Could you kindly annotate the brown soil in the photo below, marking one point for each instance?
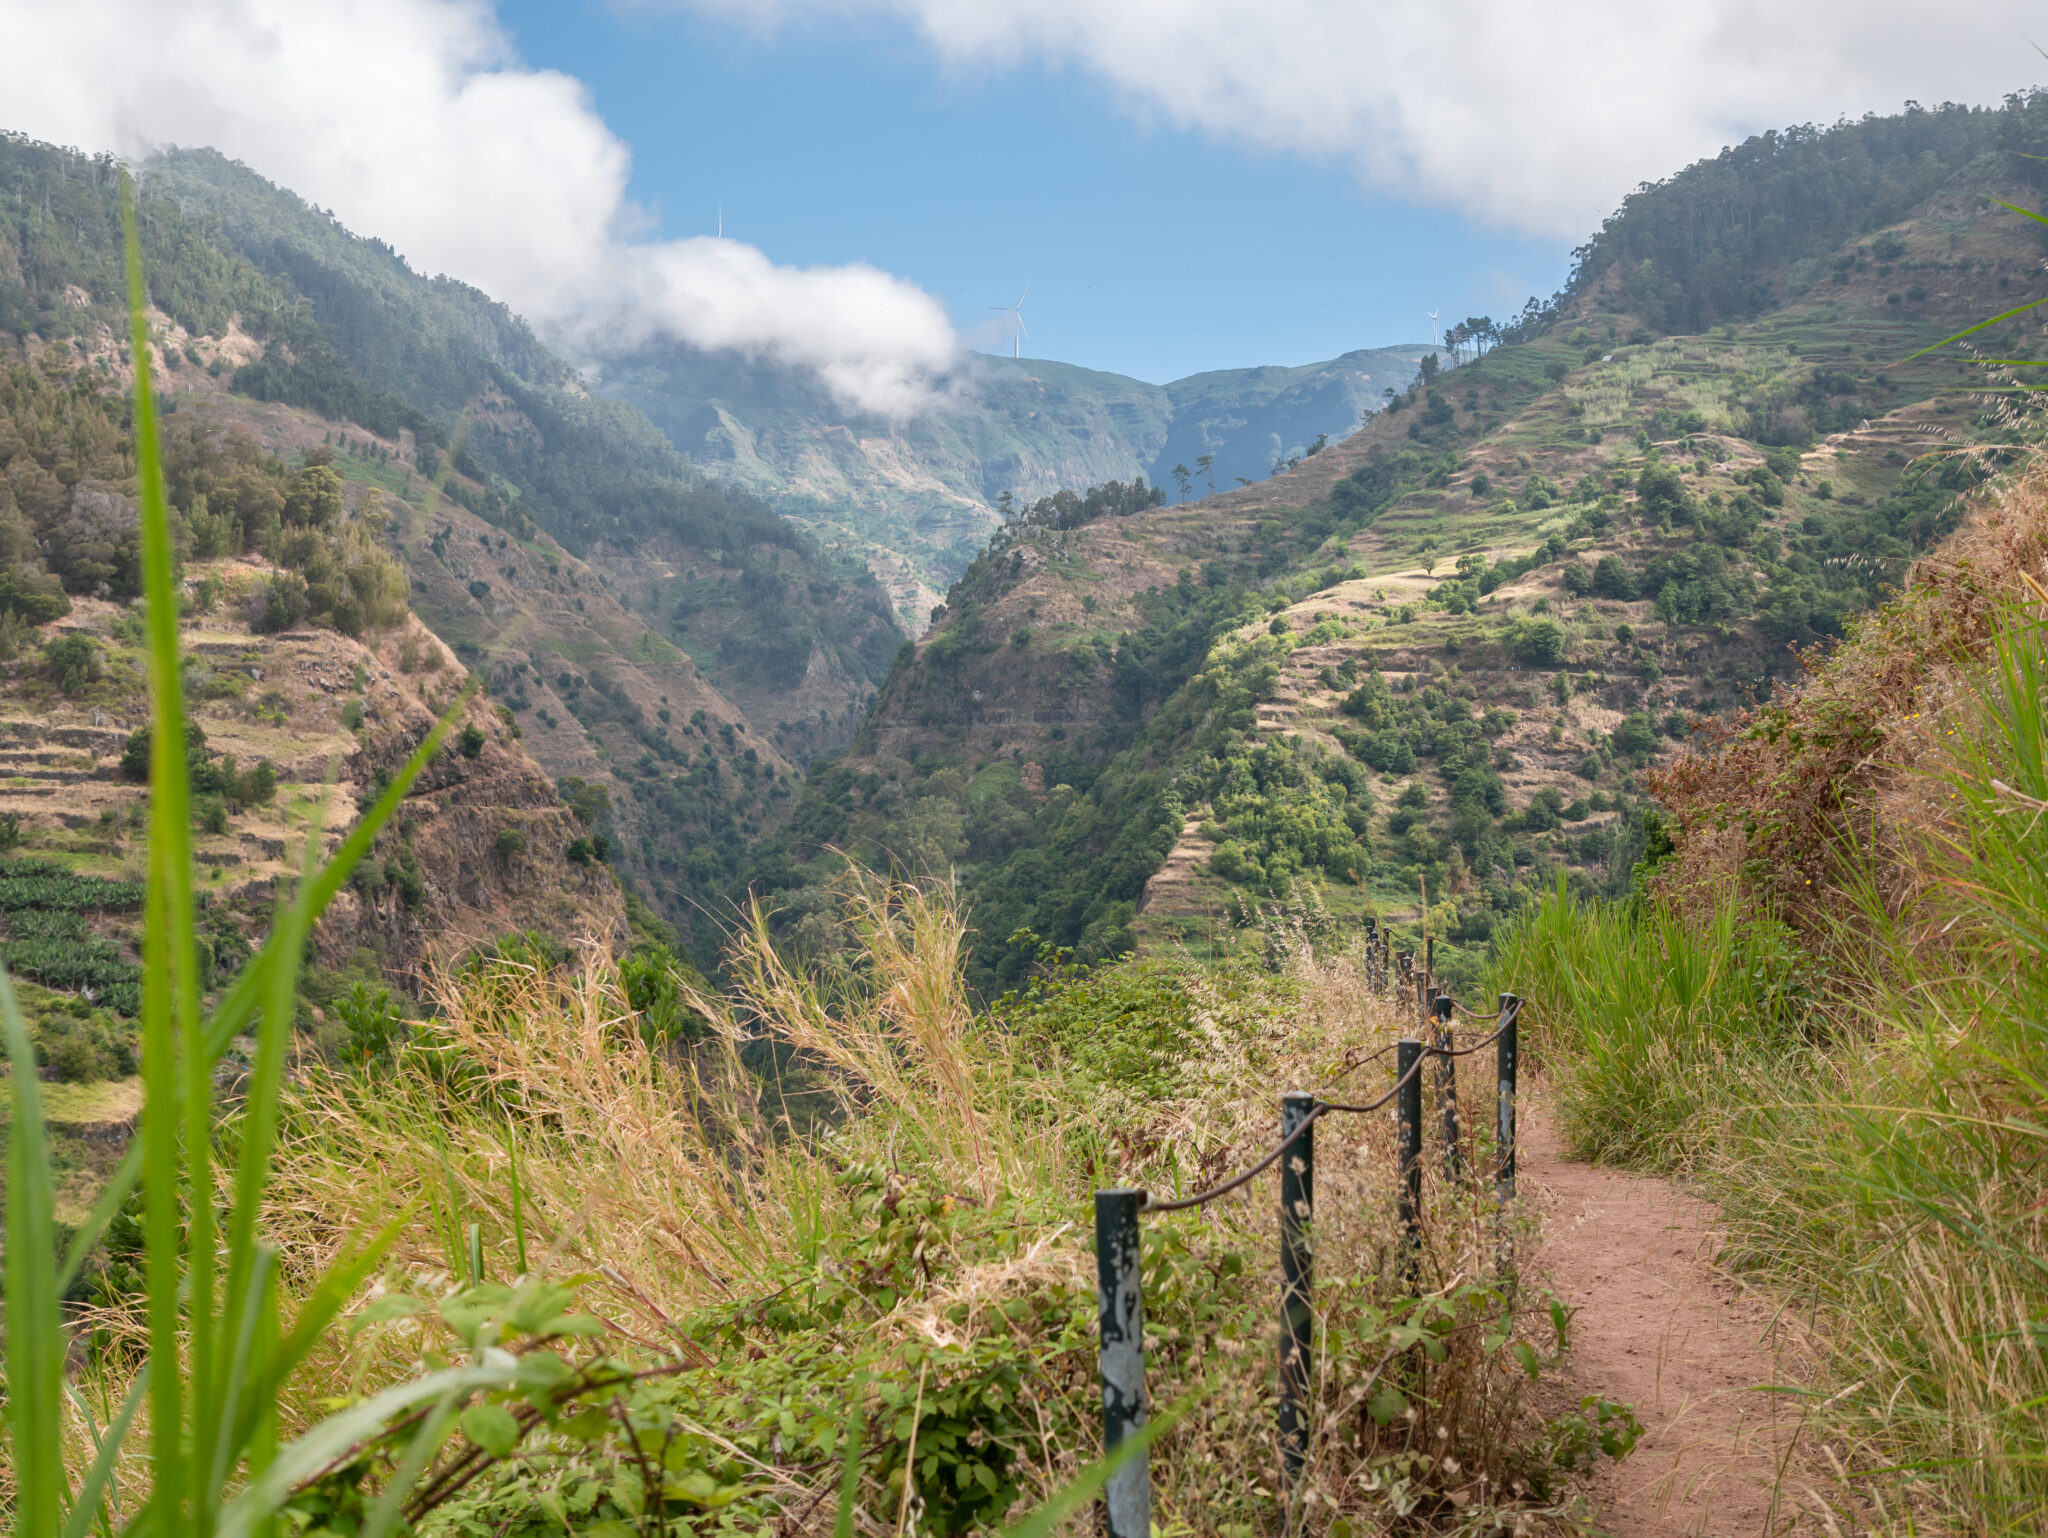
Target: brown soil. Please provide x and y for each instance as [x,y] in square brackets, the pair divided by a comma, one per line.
[1696,1354]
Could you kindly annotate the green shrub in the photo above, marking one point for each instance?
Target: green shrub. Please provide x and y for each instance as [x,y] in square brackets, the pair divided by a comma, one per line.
[376,1023]
[591,849]
[284,603]
[73,664]
[1539,643]
[654,977]
[76,1049]
[1636,733]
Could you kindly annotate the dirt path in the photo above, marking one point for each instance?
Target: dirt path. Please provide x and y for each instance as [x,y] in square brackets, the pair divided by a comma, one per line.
[1660,1327]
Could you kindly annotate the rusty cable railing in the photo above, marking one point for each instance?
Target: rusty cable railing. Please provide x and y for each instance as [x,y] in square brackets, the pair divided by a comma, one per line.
[1118,1248]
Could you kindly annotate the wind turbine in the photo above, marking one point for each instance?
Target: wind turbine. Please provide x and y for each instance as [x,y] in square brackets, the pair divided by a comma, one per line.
[1016,314]
[1432,329]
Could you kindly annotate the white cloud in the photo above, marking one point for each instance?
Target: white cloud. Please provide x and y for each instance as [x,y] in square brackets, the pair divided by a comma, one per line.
[1536,117]
[414,121]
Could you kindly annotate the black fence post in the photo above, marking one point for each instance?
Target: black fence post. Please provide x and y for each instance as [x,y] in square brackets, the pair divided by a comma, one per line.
[1447,1088]
[1506,1049]
[1408,1103]
[1297,1280]
[1127,1499]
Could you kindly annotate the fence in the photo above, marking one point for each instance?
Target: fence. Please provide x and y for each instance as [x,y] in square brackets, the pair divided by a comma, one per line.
[1118,1247]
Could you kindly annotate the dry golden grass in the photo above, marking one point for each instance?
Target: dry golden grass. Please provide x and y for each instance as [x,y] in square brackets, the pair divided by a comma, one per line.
[674,1185]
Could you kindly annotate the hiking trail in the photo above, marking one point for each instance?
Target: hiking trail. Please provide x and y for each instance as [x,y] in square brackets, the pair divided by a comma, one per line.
[1694,1351]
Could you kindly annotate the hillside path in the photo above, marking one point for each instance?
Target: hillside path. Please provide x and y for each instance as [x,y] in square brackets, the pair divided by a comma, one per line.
[1659,1326]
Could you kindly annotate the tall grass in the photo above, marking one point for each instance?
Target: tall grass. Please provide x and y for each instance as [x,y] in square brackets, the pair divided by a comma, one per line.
[1654,1020]
[215,1353]
[946,1185]
[1876,1136]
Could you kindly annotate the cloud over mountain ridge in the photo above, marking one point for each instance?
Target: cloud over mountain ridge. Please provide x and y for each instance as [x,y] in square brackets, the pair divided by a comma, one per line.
[415,121]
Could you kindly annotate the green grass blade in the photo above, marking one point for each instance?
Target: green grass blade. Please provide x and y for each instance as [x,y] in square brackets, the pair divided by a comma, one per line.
[262,1439]
[226,1445]
[343,1430]
[169,981]
[330,1295]
[2024,213]
[518,1195]
[1982,325]
[99,1479]
[1088,1484]
[259,1126]
[34,1322]
[849,1472]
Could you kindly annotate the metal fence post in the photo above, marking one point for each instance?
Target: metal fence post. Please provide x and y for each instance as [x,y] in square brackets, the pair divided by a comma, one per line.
[1447,1089]
[1297,1280]
[1506,1048]
[1407,1057]
[1127,1499]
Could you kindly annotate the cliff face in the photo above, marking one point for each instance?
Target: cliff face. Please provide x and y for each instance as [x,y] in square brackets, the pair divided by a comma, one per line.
[487,830]
[675,776]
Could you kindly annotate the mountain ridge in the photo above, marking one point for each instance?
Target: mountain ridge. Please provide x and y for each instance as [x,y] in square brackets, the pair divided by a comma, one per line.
[1421,671]
[927,492]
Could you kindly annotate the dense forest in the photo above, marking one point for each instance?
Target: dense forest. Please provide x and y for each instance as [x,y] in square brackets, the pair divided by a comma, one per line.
[1727,238]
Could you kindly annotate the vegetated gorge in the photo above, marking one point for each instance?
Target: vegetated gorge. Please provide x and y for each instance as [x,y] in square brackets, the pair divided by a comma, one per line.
[542,1008]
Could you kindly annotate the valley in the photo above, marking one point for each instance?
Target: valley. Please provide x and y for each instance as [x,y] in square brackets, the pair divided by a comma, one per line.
[1133,719]
[852,842]
[918,499]
[1543,570]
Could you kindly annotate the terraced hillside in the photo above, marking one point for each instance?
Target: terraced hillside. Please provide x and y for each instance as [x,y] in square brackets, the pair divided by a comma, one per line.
[670,647]
[1437,655]
[291,730]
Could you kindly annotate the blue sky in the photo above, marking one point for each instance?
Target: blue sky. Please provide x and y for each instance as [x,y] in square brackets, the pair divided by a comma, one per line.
[1148,250]
[1178,181]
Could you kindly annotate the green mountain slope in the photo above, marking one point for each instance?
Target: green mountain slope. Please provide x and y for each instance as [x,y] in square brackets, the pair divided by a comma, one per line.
[590,471]
[546,535]
[1255,418]
[916,498]
[920,497]
[1435,657]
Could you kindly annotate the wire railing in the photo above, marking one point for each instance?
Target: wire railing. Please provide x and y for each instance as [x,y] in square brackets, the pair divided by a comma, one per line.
[1118,1248]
